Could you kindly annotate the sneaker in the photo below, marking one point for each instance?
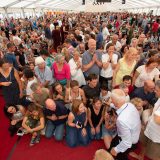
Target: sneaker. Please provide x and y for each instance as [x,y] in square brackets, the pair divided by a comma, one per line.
[32,142]
[37,140]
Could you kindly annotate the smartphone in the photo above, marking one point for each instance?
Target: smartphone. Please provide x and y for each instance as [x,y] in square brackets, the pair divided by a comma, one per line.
[79,124]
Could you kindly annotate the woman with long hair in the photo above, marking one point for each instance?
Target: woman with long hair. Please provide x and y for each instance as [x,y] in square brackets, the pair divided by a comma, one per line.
[125,66]
[16,114]
[95,119]
[76,133]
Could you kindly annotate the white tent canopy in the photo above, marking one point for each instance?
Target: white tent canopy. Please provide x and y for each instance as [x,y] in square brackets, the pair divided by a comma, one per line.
[74,4]
[12,6]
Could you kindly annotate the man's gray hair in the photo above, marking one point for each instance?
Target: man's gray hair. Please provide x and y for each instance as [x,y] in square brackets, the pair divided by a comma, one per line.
[34,86]
[59,57]
[118,95]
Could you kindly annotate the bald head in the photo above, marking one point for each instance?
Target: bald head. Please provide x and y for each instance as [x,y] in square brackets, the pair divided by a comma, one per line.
[149,85]
[92,45]
[50,104]
[101,154]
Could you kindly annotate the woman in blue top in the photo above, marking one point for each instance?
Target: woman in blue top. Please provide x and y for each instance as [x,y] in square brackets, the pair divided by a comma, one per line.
[76,133]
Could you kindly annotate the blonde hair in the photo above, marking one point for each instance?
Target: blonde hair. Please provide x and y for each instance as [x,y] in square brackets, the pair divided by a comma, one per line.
[101,154]
[136,101]
[130,51]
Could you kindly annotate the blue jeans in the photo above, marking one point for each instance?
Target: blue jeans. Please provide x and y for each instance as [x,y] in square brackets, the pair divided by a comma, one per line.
[74,137]
[54,130]
[96,136]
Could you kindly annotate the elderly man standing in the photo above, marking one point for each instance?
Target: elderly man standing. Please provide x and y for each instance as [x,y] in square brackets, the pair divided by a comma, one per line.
[91,60]
[128,126]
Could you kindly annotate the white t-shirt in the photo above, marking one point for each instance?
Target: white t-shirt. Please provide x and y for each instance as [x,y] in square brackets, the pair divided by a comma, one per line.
[105,33]
[153,129]
[118,46]
[103,98]
[143,75]
[52,27]
[28,88]
[108,72]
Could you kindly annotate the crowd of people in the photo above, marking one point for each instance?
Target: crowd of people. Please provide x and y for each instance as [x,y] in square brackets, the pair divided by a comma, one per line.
[84,77]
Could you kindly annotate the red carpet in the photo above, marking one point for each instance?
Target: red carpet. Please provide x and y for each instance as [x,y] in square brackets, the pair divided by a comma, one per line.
[6,142]
[49,149]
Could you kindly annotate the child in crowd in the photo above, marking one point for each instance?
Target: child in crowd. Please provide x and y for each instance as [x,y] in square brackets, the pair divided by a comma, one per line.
[104,94]
[138,104]
[33,122]
[109,127]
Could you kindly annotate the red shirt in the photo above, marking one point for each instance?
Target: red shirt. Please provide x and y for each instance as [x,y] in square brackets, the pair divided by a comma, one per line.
[155,27]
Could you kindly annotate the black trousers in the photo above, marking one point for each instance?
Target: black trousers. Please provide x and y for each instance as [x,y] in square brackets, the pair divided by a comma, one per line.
[124,155]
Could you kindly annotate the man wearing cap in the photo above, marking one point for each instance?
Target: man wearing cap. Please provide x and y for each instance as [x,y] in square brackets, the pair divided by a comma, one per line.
[43,73]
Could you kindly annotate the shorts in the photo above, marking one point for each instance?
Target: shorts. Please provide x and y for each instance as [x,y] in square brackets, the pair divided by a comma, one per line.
[108,132]
[152,149]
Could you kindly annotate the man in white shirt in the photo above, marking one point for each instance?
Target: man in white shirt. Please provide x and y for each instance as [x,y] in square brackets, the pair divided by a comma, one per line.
[116,43]
[105,31]
[128,126]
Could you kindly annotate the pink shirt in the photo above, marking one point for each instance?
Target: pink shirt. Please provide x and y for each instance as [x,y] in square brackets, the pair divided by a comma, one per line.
[63,74]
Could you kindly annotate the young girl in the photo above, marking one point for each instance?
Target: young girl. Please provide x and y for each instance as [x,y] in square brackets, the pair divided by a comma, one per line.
[109,127]
[138,104]
[15,113]
[105,94]
[33,122]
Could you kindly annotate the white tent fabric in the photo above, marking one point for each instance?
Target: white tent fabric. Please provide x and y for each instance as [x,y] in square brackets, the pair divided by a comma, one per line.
[75,4]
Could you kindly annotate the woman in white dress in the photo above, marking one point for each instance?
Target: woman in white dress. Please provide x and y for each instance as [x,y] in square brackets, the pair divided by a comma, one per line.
[76,68]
